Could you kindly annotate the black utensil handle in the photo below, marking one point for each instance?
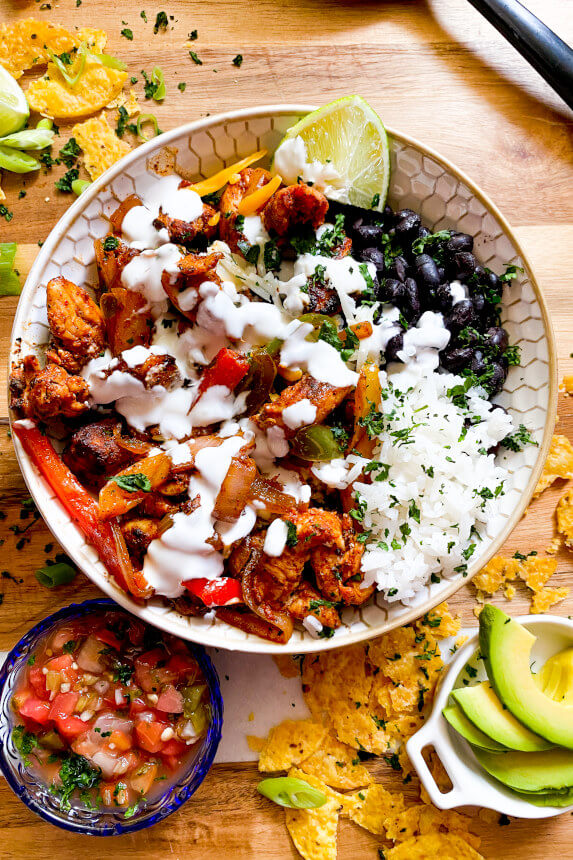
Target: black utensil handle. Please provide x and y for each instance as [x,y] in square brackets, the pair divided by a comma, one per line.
[540,46]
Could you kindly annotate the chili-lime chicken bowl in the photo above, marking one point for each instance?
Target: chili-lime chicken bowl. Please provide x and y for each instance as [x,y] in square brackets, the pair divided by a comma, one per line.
[287,430]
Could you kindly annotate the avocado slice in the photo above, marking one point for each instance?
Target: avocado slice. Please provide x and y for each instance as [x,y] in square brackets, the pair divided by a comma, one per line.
[548,798]
[458,721]
[546,771]
[506,649]
[556,677]
[484,709]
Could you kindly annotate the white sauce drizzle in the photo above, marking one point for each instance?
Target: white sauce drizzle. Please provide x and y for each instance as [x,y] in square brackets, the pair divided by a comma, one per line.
[299,414]
[275,538]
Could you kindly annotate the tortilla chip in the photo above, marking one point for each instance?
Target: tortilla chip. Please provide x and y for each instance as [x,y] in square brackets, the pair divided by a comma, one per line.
[291,742]
[100,145]
[447,626]
[335,681]
[375,806]
[24,44]
[559,464]
[313,831]
[255,743]
[536,570]
[564,514]
[126,100]
[422,819]
[547,597]
[337,765]
[568,384]
[445,846]
[2,195]
[53,97]
[288,665]
[346,803]
[96,39]
[496,573]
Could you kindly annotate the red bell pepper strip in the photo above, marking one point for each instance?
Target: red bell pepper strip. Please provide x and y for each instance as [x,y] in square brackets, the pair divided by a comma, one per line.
[83,510]
[216,592]
[227,368]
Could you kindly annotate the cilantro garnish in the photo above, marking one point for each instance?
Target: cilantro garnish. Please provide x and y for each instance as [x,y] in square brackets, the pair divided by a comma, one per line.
[133,483]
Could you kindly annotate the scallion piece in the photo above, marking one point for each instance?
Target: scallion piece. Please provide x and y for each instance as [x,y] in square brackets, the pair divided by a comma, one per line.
[109,61]
[157,77]
[45,123]
[291,792]
[29,138]
[54,575]
[9,280]
[141,120]
[16,161]
[80,185]
[71,78]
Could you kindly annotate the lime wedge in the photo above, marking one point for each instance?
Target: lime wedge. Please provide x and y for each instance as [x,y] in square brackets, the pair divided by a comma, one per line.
[14,110]
[348,136]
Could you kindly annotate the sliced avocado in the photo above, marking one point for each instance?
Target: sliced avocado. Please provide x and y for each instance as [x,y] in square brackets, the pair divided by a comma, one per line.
[458,720]
[506,648]
[484,709]
[546,771]
[548,798]
[556,677]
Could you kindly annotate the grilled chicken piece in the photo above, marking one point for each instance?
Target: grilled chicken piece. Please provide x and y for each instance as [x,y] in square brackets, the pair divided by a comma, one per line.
[250,180]
[76,325]
[317,527]
[183,290]
[337,569]
[293,206]
[139,533]
[186,232]
[93,452]
[306,600]
[48,393]
[323,396]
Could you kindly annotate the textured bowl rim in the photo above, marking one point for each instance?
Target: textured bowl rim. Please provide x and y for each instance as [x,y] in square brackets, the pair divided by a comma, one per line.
[308,645]
[201,764]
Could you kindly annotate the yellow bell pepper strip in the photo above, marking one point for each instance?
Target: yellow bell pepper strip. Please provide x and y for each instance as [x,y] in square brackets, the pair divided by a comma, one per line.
[214,183]
[251,204]
[129,487]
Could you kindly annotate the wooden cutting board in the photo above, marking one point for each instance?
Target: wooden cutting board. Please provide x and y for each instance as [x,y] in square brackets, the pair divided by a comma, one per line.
[432,68]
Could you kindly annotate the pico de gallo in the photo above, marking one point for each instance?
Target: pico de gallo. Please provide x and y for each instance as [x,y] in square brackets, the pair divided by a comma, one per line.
[108,709]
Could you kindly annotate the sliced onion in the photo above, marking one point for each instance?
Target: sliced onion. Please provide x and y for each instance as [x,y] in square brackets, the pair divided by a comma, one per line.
[258,626]
[277,619]
[102,686]
[138,447]
[259,380]
[270,494]
[235,489]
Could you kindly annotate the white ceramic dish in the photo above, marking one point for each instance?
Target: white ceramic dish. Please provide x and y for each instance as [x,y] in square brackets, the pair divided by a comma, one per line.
[421,180]
[471,785]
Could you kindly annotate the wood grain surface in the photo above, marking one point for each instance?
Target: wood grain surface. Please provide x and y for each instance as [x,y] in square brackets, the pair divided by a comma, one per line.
[432,68]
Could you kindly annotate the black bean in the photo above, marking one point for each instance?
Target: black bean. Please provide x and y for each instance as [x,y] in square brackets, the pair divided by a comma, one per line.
[497,337]
[444,298]
[441,273]
[407,221]
[464,265]
[495,406]
[398,268]
[423,232]
[388,213]
[492,281]
[479,273]
[478,301]
[427,271]
[462,314]
[373,255]
[394,346]
[356,224]
[495,383]
[412,307]
[459,242]
[368,234]
[479,363]
[392,291]
[456,359]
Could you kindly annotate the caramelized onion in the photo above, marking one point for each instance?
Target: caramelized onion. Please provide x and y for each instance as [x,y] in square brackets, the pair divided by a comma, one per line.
[137,447]
[134,579]
[259,380]
[269,493]
[257,626]
[277,619]
[235,489]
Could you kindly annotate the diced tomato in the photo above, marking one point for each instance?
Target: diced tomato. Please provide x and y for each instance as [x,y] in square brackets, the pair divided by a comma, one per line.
[145,668]
[227,368]
[105,635]
[174,748]
[142,780]
[148,735]
[37,681]
[223,591]
[173,762]
[70,727]
[63,665]
[170,700]
[183,664]
[120,741]
[151,658]
[136,706]
[35,709]
[63,705]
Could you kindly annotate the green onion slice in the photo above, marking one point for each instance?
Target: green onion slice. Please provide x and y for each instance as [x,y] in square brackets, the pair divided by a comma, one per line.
[80,185]
[16,161]
[7,255]
[30,138]
[158,78]
[141,120]
[54,575]
[291,792]
[71,78]
[45,123]
[108,60]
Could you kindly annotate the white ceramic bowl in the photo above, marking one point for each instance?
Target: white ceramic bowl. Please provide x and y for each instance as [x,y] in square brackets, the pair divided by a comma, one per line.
[471,785]
[420,179]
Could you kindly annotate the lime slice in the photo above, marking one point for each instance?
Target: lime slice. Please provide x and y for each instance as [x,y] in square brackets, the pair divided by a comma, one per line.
[14,110]
[350,137]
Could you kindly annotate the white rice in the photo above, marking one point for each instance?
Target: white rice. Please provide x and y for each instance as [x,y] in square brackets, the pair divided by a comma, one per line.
[437,487]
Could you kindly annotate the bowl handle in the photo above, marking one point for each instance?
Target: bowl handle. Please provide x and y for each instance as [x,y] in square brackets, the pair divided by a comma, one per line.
[433,733]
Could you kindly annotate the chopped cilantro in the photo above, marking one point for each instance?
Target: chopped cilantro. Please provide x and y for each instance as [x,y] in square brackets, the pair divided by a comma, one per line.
[193,35]
[292,538]
[249,252]
[110,243]
[65,183]
[127,33]
[181,86]
[161,22]
[373,422]
[133,483]
[143,15]
[5,213]
[70,152]
[69,646]
[375,201]
[271,255]
[238,61]
[418,245]
[25,742]
[510,273]
[194,56]
[122,672]
[518,440]
[76,773]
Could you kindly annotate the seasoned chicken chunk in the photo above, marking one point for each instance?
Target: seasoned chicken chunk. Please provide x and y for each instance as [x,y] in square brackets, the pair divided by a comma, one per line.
[306,600]
[139,533]
[93,452]
[293,206]
[273,579]
[183,290]
[323,396]
[250,180]
[187,232]
[337,569]
[48,393]
[317,527]
[76,325]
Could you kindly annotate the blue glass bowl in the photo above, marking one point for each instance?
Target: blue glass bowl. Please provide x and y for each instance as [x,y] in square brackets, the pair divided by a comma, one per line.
[101,822]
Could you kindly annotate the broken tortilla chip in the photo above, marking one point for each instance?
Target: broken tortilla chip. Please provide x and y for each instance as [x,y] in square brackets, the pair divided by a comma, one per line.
[288,665]
[25,44]
[375,806]
[559,464]
[96,40]
[127,101]
[546,597]
[313,831]
[346,803]
[564,514]
[290,743]
[337,765]
[446,846]
[52,96]
[422,819]
[100,145]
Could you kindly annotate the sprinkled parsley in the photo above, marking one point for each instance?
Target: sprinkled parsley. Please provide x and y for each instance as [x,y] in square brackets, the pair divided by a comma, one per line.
[518,440]
[161,22]
[133,483]
[127,34]
[292,538]
[65,183]
[238,61]
[195,57]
